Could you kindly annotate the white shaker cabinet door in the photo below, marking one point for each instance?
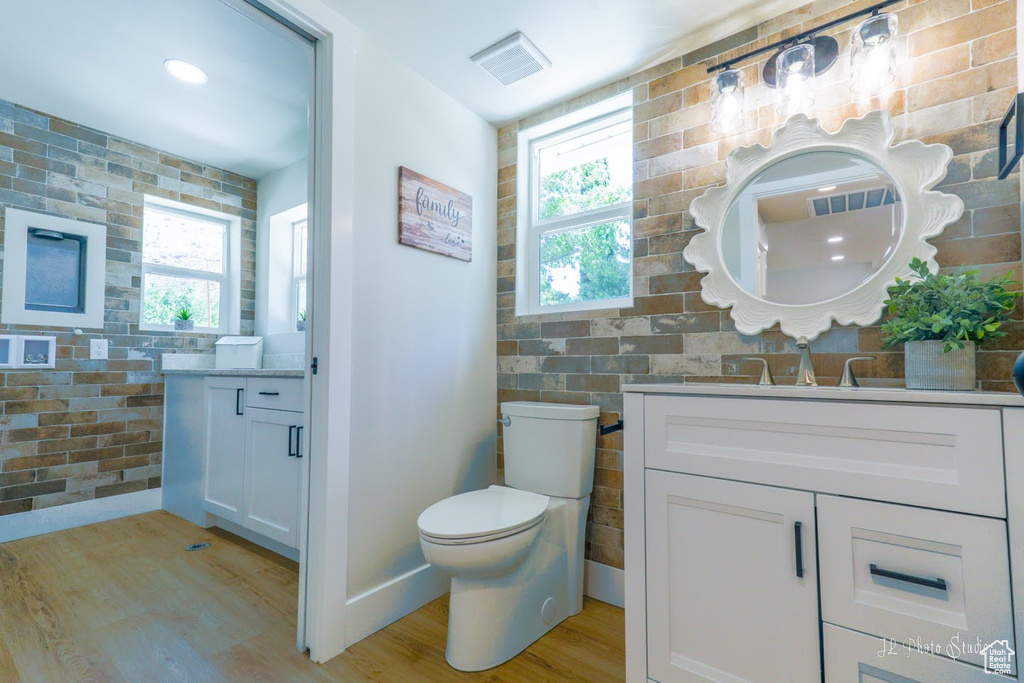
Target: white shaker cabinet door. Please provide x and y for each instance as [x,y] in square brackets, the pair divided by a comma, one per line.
[732,591]
[224,464]
[273,450]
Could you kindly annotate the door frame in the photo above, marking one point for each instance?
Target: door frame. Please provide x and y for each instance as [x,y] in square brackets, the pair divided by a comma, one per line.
[324,515]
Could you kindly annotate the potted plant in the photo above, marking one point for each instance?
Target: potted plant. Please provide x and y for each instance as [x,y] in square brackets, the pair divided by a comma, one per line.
[941,319]
[183,321]
[300,324]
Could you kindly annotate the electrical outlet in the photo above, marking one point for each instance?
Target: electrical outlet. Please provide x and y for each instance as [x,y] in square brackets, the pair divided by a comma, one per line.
[98,349]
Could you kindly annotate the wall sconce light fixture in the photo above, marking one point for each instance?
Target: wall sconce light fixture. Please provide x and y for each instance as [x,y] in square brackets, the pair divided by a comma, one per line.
[873,54]
[794,72]
[798,59]
[727,102]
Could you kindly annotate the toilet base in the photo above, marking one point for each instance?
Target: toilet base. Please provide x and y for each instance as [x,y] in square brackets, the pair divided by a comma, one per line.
[492,620]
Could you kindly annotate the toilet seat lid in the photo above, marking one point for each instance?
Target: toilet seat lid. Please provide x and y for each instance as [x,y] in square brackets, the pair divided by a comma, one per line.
[495,510]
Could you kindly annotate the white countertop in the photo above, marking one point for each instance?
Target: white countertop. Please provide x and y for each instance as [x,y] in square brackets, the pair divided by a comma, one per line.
[203,364]
[877,394]
[213,372]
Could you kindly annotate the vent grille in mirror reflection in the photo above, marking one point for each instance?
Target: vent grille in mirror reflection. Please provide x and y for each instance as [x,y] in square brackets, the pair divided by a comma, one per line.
[854,201]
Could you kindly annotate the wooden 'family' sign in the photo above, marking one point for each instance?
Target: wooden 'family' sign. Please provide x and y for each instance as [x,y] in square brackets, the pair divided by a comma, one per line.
[433,216]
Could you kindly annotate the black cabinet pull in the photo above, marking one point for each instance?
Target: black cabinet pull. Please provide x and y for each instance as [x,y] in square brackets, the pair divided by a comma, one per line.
[798,538]
[238,401]
[937,584]
[298,442]
[270,393]
[291,435]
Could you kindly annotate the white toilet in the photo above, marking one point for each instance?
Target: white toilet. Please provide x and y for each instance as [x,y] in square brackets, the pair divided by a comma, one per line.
[515,553]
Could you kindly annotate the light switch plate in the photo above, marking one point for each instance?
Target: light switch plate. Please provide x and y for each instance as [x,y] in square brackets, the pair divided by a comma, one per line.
[98,349]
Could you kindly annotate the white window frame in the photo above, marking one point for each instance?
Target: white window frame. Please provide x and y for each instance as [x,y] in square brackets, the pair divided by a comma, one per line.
[530,229]
[297,279]
[17,223]
[230,279]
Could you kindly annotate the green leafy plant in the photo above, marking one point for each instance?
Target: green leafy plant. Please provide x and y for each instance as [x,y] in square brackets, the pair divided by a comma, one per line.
[302,315]
[954,308]
[183,314]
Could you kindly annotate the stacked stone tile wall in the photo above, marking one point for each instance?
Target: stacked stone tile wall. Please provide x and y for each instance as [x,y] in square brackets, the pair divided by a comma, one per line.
[93,428]
[957,76]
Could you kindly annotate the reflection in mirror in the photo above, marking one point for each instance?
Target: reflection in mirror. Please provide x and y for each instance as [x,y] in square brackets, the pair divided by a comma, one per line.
[811,228]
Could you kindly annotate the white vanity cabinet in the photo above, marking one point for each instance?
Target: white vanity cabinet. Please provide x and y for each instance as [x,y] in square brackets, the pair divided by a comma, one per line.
[224,404]
[799,535]
[251,475]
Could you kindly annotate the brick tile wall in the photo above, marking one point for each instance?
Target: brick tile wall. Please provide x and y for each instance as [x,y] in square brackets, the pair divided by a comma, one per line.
[957,76]
[92,428]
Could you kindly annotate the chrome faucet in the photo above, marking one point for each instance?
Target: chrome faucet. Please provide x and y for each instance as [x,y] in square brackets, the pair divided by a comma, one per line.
[805,375]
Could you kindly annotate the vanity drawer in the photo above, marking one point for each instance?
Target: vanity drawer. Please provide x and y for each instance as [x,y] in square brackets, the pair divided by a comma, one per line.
[910,574]
[856,658]
[941,457]
[275,393]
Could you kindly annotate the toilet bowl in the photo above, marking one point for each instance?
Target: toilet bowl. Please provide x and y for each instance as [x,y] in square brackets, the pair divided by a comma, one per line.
[515,553]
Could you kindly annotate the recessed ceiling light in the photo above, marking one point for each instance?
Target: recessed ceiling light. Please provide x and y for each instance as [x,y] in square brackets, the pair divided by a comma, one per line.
[829,188]
[835,240]
[185,71]
[838,257]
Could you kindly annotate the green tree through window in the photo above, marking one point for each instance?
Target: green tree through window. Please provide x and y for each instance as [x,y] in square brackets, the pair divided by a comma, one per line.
[590,263]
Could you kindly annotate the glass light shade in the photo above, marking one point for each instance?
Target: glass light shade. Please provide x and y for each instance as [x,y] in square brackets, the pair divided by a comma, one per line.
[794,74]
[727,102]
[873,54]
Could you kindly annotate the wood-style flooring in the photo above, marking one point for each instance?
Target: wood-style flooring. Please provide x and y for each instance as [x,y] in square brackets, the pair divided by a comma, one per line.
[123,601]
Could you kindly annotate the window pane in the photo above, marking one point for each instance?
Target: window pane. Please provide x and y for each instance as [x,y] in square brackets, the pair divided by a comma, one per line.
[300,297]
[55,272]
[587,172]
[586,264]
[173,239]
[299,255]
[165,295]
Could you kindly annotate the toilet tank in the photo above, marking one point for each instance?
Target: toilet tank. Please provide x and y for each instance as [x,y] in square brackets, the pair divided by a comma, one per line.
[549,447]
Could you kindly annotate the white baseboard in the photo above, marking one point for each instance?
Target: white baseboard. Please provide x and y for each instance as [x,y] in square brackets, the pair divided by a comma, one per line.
[385,604]
[604,583]
[260,540]
[47,520]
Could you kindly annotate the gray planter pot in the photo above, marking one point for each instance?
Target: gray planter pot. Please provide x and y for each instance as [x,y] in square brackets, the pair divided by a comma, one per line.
[184,325]
[300,325]
[928,367]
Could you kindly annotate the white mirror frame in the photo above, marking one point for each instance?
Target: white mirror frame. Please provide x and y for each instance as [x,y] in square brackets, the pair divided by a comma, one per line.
[913,166]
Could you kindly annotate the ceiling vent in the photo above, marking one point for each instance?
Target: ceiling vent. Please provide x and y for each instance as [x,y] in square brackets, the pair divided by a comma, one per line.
[512,59]
[853,201]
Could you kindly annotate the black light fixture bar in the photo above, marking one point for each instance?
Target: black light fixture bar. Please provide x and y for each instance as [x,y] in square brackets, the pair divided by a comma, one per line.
[793,40]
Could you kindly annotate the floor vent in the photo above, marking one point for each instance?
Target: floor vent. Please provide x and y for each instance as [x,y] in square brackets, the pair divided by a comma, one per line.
[196,546]
[511,59]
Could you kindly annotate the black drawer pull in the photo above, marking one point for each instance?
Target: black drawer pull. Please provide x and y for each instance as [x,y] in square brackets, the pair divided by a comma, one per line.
[798,539]
[270,393]
[937,584]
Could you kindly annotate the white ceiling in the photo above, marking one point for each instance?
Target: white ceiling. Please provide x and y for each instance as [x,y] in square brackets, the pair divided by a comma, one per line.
[100,64]
[589,42]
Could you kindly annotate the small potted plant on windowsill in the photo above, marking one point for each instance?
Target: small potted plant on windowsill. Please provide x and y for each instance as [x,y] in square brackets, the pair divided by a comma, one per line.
[300,324]
[183,321]
[941,319]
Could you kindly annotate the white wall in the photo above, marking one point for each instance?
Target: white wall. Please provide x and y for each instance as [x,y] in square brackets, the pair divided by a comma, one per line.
[280,191]
[424,379]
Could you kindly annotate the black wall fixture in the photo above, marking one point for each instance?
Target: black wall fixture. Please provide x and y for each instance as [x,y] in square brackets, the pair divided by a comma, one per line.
[1011,150]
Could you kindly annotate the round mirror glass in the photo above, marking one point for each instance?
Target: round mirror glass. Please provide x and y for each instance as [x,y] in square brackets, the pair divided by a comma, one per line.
[811,228]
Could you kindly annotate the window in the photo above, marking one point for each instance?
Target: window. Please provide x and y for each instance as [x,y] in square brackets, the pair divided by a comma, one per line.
[575,230]
[54,271]
[299,235]
[190,260]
